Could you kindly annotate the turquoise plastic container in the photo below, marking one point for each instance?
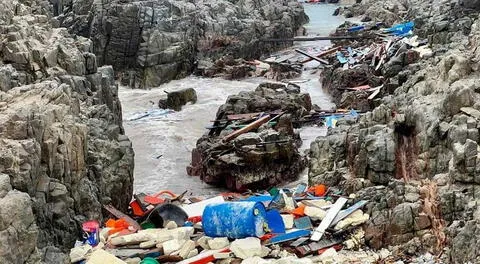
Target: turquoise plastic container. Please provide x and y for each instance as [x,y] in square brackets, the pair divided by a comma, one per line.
[234,220]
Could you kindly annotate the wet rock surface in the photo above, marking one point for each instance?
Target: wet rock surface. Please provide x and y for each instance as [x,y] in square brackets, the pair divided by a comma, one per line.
[260,158]
[414,156]
[63,152]
[162,40]
[175,100]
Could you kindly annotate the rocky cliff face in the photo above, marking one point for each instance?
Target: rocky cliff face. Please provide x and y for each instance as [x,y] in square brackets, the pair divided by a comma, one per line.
[415,156]
[63,152]
[153,42]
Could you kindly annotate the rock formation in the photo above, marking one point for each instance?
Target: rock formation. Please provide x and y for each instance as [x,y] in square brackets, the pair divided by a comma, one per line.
[152,42]
[176,99]
[259,159]
[415,156]
[63,152]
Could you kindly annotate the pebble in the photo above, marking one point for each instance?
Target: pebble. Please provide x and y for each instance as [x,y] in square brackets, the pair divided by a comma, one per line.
[172,245]
[203,242]
[246,248]
[171,225]
[218,243]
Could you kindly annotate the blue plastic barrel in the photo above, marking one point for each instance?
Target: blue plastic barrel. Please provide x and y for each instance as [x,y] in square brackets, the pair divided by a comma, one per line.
[234,220]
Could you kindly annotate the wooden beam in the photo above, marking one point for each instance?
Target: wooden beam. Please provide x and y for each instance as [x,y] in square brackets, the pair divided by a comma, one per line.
[331,214]
[312,57]
[316,38]
[252,126]
[325,53]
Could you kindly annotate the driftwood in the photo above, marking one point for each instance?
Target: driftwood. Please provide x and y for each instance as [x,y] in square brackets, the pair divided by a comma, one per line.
[253,125]
[312,57]
[325,53]
[317,38]
[114,211]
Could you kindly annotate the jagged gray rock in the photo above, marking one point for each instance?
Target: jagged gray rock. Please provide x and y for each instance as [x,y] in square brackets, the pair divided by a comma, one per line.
[63,152]
[161,40]
[260,159]
[415,155]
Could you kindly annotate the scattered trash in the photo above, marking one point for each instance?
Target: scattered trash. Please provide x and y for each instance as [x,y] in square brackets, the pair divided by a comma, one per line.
[259,225]
[304,224]
[151,114]
[91,230]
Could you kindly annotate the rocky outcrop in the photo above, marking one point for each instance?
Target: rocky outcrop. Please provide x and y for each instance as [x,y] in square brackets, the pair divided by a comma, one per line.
[161,40]
[63,152]
[415,156]
[176,99]
[262,158]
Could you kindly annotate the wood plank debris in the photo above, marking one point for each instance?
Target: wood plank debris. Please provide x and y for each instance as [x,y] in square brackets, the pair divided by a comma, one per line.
[331,214]
[312,56]
[376,91]
[252,126]
[114,211]
[325,53]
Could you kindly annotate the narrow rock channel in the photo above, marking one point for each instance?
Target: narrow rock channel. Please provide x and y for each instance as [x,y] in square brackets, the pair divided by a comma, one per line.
[163,142]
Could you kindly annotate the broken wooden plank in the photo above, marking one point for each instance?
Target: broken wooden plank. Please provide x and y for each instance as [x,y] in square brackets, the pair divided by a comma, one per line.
[312,57]
[376,91]
[114,211]
[242,116]
[331,214]
[284,58]
[359,88]
[317,38]
[252,126]
[325,53]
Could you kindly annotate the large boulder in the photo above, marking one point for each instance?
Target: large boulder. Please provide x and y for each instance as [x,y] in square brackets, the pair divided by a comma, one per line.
[265,156]
[176,99]
[63,152]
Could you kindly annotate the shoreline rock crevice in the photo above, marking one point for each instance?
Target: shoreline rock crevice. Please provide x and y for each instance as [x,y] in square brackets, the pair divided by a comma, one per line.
[414,155]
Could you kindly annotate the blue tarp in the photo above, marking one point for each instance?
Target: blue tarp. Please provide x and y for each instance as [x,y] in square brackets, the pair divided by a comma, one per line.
[404,29]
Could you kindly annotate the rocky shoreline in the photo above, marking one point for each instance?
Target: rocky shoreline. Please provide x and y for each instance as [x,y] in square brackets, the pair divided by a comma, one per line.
[414,156]
[64,152]
[63,149]
[152,42]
